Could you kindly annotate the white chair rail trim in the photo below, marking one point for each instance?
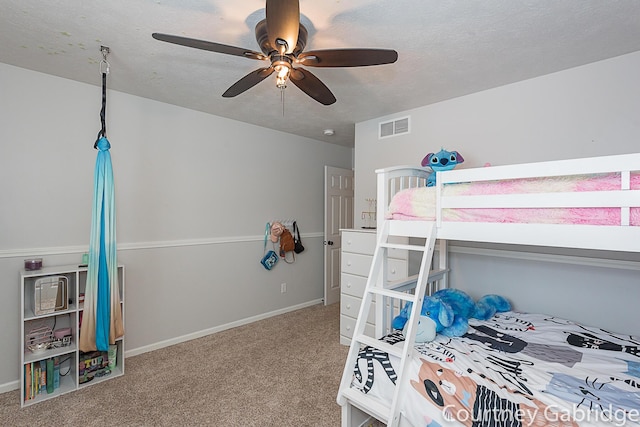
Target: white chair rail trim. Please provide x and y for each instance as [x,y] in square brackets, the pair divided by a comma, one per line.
[65,250]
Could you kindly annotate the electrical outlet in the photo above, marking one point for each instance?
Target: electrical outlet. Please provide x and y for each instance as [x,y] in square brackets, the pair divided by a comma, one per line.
[283,288]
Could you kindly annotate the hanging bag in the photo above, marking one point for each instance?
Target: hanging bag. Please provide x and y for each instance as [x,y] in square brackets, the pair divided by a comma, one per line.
[287,245]
[297,242]
[270,258]
[286,242]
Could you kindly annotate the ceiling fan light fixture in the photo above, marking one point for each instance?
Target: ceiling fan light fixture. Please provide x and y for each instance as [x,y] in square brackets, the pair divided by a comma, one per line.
[282,67]
[282,76]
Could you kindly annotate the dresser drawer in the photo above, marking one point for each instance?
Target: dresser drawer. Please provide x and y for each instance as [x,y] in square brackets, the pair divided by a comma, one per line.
[353,285]
[359,265]
[348,325]
[358,242]
[397,269]
[350,306]
[356,263]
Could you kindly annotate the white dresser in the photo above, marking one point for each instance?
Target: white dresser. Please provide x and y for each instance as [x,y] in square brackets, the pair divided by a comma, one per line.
[358,246]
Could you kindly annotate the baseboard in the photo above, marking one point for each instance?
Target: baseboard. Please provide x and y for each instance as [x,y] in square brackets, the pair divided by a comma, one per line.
[205,332]
[13,385]
[10,386]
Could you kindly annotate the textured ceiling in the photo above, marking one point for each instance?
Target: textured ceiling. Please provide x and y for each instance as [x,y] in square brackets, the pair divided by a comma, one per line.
[446,48]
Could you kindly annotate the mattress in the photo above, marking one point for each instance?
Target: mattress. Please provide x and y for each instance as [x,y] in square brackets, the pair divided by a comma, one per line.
[516,369]
[420,203]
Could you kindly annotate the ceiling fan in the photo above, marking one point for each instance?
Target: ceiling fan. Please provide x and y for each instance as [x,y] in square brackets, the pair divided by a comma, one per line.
[282,39]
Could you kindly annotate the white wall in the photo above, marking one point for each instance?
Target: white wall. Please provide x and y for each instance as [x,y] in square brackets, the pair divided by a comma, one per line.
[587,111]
[193,194]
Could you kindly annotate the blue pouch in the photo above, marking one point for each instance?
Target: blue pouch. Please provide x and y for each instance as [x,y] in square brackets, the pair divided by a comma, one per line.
[270,259]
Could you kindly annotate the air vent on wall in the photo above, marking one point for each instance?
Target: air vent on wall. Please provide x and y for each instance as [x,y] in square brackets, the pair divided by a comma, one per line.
[394,127]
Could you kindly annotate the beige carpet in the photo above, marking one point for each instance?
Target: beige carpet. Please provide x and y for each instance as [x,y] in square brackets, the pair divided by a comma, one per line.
[282,371]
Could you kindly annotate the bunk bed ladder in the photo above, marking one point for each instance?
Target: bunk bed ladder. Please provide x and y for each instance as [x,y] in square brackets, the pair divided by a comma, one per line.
[383,290]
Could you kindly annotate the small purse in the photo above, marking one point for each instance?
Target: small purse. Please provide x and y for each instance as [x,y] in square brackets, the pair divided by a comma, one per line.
[297,242]
[270,258]
[287,245]
[286,242]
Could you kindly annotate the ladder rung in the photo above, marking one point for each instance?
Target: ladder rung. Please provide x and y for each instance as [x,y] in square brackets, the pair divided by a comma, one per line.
[393,294]
[403,246]
[437,274]
[369,404]
[402,285]
[410,282]
[380,345]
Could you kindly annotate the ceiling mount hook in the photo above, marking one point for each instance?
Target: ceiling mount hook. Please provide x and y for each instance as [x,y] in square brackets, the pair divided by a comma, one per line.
[104,64]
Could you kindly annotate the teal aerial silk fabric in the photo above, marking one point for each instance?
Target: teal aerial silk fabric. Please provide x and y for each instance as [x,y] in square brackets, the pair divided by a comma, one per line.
[102,315]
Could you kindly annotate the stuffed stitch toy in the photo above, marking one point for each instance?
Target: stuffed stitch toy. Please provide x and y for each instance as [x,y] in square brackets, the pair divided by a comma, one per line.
[443,160]
[448,312]
[426,330]
[433,313]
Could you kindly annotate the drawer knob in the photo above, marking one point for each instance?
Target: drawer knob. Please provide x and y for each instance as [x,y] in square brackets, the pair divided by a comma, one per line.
[348,306]
[348,328]
[393,271]
[349,285]
[348,242]
[349,263]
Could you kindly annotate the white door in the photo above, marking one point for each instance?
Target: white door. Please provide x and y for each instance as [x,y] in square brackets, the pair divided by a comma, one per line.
[338,213]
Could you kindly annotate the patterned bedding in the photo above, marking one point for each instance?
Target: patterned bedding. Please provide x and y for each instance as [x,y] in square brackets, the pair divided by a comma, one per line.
[420,203]
[515,369]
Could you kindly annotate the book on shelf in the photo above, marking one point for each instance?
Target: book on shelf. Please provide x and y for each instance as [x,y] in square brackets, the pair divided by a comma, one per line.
[35,368]
[56,373]
[49,375]
[41,376]
[27,381]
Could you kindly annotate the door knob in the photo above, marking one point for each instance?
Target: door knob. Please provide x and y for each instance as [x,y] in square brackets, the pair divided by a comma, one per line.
[329,242]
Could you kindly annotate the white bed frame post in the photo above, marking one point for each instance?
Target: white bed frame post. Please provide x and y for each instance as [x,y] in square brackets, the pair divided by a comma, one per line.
[443,266]
[382,199]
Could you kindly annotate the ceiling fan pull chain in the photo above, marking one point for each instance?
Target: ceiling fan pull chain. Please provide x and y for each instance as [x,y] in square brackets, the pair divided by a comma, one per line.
[282,98]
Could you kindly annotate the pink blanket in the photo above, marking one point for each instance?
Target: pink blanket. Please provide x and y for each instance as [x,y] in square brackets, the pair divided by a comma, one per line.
[419,203]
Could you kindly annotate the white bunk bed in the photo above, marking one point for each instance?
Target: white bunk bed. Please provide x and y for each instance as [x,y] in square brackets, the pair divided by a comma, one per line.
[595,205]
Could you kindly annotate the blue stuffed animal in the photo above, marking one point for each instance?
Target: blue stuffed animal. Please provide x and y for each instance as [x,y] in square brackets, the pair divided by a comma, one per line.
[426,330]
[443,160]
[427,327]
[448,312]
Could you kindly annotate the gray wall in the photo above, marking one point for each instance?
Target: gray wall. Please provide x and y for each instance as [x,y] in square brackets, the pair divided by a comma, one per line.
[587,111]
[193,194]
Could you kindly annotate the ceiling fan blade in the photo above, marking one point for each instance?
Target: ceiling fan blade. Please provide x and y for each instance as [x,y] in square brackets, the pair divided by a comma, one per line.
[248,81]
[347,57]
[210,46]
[312,86]
[283,23]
